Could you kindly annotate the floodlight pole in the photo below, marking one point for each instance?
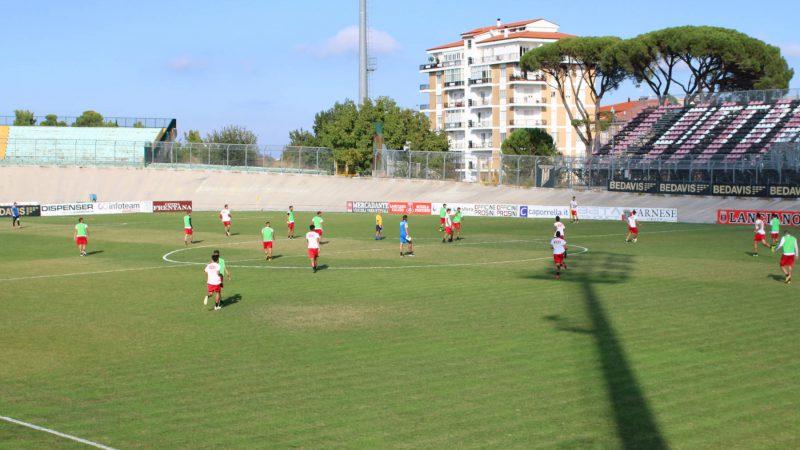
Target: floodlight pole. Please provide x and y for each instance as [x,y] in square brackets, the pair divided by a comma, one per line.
[363,93]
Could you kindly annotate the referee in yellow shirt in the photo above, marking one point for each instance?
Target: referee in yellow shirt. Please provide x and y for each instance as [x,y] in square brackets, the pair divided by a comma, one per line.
[378,226]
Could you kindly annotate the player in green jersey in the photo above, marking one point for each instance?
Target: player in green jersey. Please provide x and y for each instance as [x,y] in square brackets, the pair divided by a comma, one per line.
[790,253]
[267,237]
[457,223]
[442,215]
[223,271]
[317,221]
[775,225]
[81,236]
[290,222]
[188,236]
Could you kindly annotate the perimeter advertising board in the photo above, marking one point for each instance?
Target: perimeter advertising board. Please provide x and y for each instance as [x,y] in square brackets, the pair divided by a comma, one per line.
[162,206]
[91,208]
[358,206]
[716,189]
[748,216]
[417,208]
[26,209]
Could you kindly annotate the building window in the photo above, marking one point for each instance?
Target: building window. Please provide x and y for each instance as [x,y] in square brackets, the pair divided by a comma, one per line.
[481,72]
[451,75]
[469,43]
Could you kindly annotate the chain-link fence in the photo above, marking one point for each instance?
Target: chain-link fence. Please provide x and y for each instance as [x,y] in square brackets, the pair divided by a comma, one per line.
[420,165]
[317,160]
[780,166]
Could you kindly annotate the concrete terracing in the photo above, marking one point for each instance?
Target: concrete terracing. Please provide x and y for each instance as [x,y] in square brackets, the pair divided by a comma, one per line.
[209,190]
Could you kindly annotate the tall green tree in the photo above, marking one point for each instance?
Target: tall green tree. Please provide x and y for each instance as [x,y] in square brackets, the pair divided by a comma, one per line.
[529,142]
[192,137]
[717,59]
[575,66]
[348,129]
[302,138]
[92,119]
[51,120]
[243,153]
[24,118]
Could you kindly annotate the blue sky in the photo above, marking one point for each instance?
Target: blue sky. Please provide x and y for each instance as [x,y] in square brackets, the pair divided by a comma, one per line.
[271,65]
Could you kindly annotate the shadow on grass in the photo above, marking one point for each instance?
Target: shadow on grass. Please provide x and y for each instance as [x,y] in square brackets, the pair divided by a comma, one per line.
[94,252]
[777,277]
[634,420]
[232,300]
[197,241]
[321,267]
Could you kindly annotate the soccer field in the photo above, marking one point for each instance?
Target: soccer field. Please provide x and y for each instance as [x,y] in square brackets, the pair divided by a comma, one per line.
[681,340]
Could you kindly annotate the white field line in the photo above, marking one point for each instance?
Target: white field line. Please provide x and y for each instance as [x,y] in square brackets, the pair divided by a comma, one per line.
[56,433]
[75,274]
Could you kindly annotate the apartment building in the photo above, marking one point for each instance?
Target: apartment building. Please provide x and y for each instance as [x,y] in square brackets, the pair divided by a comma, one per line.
[478,94]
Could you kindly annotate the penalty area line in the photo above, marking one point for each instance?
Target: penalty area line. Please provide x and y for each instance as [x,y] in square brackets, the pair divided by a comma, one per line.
[56,433]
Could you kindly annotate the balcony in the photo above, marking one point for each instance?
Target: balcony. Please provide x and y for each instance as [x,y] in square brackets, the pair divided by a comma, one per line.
[479,81]
[454,103]
[485,123]
[480,103]
[453,125]
[479,144]
[508,57]
[523,78]
[424,87]
[453,84]
[457,145]
[527,123]
[438,65]
[424,107]
[527,102]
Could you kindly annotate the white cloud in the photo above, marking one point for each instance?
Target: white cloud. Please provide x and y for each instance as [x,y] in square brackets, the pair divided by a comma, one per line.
[345,42]
[792,50]
[186,64]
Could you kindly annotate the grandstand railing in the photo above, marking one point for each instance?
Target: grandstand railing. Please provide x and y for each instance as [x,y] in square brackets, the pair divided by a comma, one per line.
[738,97]
[142,122]
[273,158]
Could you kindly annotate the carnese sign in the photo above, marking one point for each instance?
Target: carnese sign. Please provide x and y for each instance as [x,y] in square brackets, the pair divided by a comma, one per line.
[410,208]
[160,206]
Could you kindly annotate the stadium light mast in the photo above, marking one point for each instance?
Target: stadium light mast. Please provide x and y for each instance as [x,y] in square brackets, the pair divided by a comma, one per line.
[363,90]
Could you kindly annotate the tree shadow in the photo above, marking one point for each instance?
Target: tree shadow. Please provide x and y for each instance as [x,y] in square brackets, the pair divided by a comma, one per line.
[231,300]
[633,417]
[94,252]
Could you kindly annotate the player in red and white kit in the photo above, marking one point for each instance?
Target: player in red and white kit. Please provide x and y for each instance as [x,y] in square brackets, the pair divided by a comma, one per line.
[448,226]
[559,247]
[313,246]
[760,234]
[633,226]
[225,217]
[213,282]
[573,210]
[559,227]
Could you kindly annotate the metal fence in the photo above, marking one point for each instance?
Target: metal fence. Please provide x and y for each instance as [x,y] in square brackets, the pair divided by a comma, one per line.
[317,160]
[781,165]
[141,122]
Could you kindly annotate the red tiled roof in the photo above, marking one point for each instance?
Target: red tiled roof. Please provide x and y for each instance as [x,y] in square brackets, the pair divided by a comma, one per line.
[529,35]
[452,44]
[495,27]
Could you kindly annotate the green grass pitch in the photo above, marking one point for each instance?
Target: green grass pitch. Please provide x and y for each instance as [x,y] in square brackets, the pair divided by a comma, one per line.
[682,340]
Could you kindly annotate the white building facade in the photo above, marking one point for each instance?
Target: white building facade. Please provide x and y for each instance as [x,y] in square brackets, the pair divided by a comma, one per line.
[478,94]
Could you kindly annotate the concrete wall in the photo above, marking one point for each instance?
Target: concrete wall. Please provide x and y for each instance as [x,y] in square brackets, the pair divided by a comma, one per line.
[255,191]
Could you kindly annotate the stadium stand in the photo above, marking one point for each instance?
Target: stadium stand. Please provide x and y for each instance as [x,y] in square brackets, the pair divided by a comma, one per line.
[3,140]
[706,131]
[93,145]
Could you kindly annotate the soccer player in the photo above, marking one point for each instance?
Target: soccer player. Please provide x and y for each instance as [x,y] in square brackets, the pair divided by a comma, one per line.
[633,227]
[290,222]
[213,281]
[761,234]
[442,214]
[313,246]
[775,224]
[457,223]
[378,226]
[559,227]
[448,227]
[188,237]
[790,252]
[81,236]
[559,247]
[223,271]
[573,210]
[317,221]
[225,216]
[15,216]
[405,237]
[267,238]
